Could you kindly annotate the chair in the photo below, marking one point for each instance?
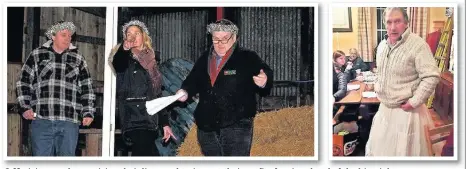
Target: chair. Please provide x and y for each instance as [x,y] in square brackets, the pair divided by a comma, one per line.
[442,131]
[337,115]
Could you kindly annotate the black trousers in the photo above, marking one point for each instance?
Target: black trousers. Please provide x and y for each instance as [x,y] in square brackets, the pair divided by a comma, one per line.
[143,143]
[234,140]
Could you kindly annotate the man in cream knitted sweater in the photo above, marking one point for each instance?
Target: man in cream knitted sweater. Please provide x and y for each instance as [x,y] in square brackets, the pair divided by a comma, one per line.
[407,76]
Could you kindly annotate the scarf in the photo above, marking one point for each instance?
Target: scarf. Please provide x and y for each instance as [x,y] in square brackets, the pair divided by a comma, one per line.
[214,69]
[146,58]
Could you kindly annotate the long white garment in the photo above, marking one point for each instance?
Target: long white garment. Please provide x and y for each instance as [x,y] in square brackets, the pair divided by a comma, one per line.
[396,132]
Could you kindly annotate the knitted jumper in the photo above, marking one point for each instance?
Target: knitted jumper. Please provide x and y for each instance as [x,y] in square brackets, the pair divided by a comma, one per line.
[407,71]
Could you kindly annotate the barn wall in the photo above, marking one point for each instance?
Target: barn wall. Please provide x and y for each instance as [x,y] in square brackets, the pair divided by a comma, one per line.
[178,34]
[275,34]
[89,27]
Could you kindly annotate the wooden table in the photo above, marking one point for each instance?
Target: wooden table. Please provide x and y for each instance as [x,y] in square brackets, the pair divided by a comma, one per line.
[355,96]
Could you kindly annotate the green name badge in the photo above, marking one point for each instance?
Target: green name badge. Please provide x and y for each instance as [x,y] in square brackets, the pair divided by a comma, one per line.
[229,72]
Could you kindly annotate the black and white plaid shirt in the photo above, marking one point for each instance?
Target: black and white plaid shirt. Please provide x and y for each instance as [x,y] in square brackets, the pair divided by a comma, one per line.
[56,86]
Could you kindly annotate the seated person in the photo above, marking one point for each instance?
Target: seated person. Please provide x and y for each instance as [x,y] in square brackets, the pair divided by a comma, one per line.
[355,62]
[350,127]
[340,78]
[347,120]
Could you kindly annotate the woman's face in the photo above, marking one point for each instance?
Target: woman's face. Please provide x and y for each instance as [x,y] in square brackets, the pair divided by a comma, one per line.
[134,34]
[353,56]
[340,61]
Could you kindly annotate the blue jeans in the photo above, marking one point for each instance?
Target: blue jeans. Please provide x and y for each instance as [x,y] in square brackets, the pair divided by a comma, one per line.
[50,138]
[234,140]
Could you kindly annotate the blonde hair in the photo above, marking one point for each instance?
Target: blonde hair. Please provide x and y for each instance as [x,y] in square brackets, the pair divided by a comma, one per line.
[353,50]
[147,41]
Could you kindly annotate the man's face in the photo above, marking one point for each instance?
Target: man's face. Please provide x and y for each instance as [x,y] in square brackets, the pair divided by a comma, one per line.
[62,39]
[395,24]
[223,41]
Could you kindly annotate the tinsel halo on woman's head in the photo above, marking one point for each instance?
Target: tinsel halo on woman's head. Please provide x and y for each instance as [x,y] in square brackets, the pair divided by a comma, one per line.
[134,23]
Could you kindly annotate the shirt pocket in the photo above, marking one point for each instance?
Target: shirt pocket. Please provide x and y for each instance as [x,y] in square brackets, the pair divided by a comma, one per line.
[45,69]
[71,72]
[230,77]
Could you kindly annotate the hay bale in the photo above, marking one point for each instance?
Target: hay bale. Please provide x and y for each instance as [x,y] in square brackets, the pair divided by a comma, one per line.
[286,132]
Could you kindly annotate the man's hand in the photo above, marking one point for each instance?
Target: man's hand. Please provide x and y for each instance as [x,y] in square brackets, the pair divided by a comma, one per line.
[87,121]
[260,79]
[407,106]
[167,134]
[183,98]
[29,115]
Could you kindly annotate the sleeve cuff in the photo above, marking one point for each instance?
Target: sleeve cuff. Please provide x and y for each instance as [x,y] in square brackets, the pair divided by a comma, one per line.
[164,121]
[263,86]
[88,114]
[21,110]
[414,102]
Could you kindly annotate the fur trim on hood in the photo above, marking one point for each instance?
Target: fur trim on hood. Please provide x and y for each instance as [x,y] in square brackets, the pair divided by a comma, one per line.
[112,54]
[49,43]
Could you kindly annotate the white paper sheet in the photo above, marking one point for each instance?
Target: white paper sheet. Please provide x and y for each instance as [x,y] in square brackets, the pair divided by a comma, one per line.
[154,106]
[352,87]
[369,94]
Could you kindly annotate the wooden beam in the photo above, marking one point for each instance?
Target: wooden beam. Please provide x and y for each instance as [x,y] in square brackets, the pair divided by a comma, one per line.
[219,13]
[90,131]
[93,141]
[14,135]
[84,39]
[97,11]
[32,35]
[12,108]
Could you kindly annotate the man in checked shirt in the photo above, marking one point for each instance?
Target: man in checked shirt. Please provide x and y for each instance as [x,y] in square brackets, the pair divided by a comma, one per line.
[55,92]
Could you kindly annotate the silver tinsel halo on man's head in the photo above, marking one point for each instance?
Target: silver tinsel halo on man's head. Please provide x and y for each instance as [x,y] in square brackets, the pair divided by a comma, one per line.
[134,23]
[59,27]
[223,25]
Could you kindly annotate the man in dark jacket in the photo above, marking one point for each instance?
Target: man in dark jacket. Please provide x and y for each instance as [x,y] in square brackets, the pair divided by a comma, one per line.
[227,78]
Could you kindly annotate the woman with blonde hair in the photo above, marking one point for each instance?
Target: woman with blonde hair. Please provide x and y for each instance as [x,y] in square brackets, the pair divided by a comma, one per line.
[138,80]
[355,62]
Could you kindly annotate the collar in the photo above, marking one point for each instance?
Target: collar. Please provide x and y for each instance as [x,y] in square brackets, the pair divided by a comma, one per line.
[49,43]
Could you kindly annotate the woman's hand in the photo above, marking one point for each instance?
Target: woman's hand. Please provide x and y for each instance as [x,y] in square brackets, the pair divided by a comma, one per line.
[128,43]
[167,133]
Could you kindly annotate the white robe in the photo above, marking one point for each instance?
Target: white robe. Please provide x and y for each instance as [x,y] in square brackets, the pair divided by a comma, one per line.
[396,132]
